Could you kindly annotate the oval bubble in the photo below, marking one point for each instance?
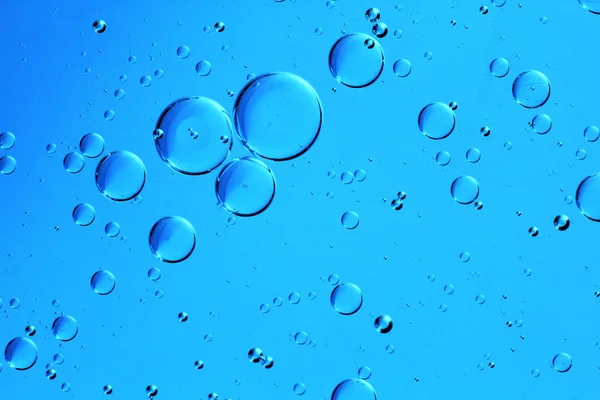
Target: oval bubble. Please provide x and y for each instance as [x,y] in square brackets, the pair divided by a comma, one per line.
[278,116]
[103,282]
[356,60]
[464,189]
[65,328]
[346,298]
[436,121]
[91,145]
[196,135]
[84,214]
[245,187]
[172,239]
[354,389]
[531,89]
[120,175]
[21,353]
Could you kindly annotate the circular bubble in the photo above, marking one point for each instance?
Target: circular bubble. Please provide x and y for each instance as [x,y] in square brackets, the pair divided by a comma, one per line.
[91,145]
[383,324]
[360,175]
[278,301]
[364,372]
[562,222]
[350,220]
[107,389]
[65,328]
[473,155]
[99,26]
[480,299]
[172,239]
[562,362]
[145,81]
[294,298]
[183,52]
[443,158]
[255,354]
[109,115]
[245,187]
[346,298]
[51,148]
[119,94]
[15,303]
[499,67]
[103,282]
[120,175]
[464,189]
[300,338]
[84,214]
[59,358]
[587,197]
[195,137]
[51,374]
[8,165]
[436,121]
[30,330]
[498,3]
[581,154]
[199,364]
[21,353]
[380,29]
[73,162]
[220,26]
[299,389]
[278,116]
[373,14]
[267,362]
[354,389]
[533,231]
[356,60]
[265,308]
[592,6]
[591,133]
[203,68]
[531,89]
[347,177]
[151,390]
[541,124]
[449,289]
[154,274]
[402,68]
[112,229]
[7,140]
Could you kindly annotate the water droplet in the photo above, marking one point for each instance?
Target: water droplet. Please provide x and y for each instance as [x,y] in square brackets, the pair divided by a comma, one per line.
[103,282]
[396,204]
[112,229]
[562,222]
[278,116]
[383,324]
[203,68]
[531,89]
[436,121]
[483,10]
[402,68]
[120,175]
[300,338]
[364,373]
[65,328]
[330,4]
[591,133]
[541,124]
[360,175]
[65,387]
[354,389]
[255,354]
[73,162]
[353,64]
[132,59]
[380,30]
[99,26]
[346,298]
[199,364]
[294,298]
[390,349]
[245,187]
[172,239]
[8,165]
[498,3]
[480,299]
[464,189]
[91,145]
[119,94]
[208,338]
[277,301]
[159,73]
[318,31]
[398,33]
[562,362]
[473,155]
[7,140]
[535,373]
[500,67]
[443,158]
[350,220]
[373,14]
[428,55]
[21,353]
[267,362]
[347,177]
[299,389]
[183,52]
[84,214]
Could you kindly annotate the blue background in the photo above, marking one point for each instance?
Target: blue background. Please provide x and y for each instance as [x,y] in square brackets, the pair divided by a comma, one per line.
[299,241]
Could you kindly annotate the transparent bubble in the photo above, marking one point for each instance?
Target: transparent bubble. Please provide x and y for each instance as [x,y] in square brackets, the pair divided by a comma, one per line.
[354,389]
[267,362]
[390,349]
[51,148]
[398,33]
[373,14]
[581,154]
[172,239]
[535,373]
[107,389]
[299,389]
[123,78]
[112,229]
[500,67]
[562,362]
[436,121]
[145,81]
[191,130]
[14,303]
[380,30]
[99,26]
[120,175]
[562,222]
[21,353]
[119,94]
[7,140]
[360,175]
[383,324]
[103,282]
[587,197]
[8,165]
[182,316]
[312,295]
[541,124]
[277,301]
[478,205]
[364,373]
[498,3]
[59,358]
[428,55]
[208,338]
[333,279]
[318,31]
[84,214]
[65,328]
[346,298]
[65,387]
[330,4]
[507,145]
[51,374]
[531,89]
[151,390]
[464,189]
[449,289]
[591,133]
[356,60]
[294,298]
[592,6]
[91,145]
[443,158]
[183,52]
[480,299]
[533,231]
[255,354]
[159,73]
[473,155]
[278,116]
[402,68]
[265,308]
[245,187]
[347,177]
[109,115]
[300,338]
[73,162]
[527,272]
[203,68]
[350,220]
[220,26]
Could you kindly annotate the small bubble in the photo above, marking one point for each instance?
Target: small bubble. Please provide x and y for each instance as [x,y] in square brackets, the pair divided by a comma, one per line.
[203,68]
[182,316]
[109,115]
[533,231]
[443,308]
[373,14]
[132,59]
[535,373]
[65,387]
[347,177]
[449,289]
[364,373]
[562,222]
[219,26]
[199,364]
[390,349]
[527,272]
[428,55]
[51,148]
[581,154]
[383,324]
[591,133]
[294,298]
[483,10]
[300,338]
[277,301]
[299,389]
[7,140]
[443,158]
[380,30]
[330,4]
[151,390]
[350,220]
[255,354]
[183,52]
[8,165]
[264,308]
[50,374]
[15,303]
[145,81]
[107,389]
[480,299]
[562,362]
[99,26]
[473,155]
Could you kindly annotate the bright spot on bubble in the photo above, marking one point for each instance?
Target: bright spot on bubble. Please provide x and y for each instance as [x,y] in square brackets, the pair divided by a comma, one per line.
[172,239]
[346,298]
[120,176]
[356,60]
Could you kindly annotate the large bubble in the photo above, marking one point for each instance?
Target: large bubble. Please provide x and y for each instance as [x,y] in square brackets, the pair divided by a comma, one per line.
[356,60]
[436,121]
[531,89]
[278,116]
[21,353]
[193,135]
[354,389]
[346,298]
[587,197]
[172,239]
[120,175]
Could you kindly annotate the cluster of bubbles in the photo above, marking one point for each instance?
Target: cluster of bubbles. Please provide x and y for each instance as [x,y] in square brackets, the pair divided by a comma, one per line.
[8,164]
[256,356]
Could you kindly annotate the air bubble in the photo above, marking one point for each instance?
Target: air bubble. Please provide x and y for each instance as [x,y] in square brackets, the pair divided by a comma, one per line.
[355,64]
[172,239]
